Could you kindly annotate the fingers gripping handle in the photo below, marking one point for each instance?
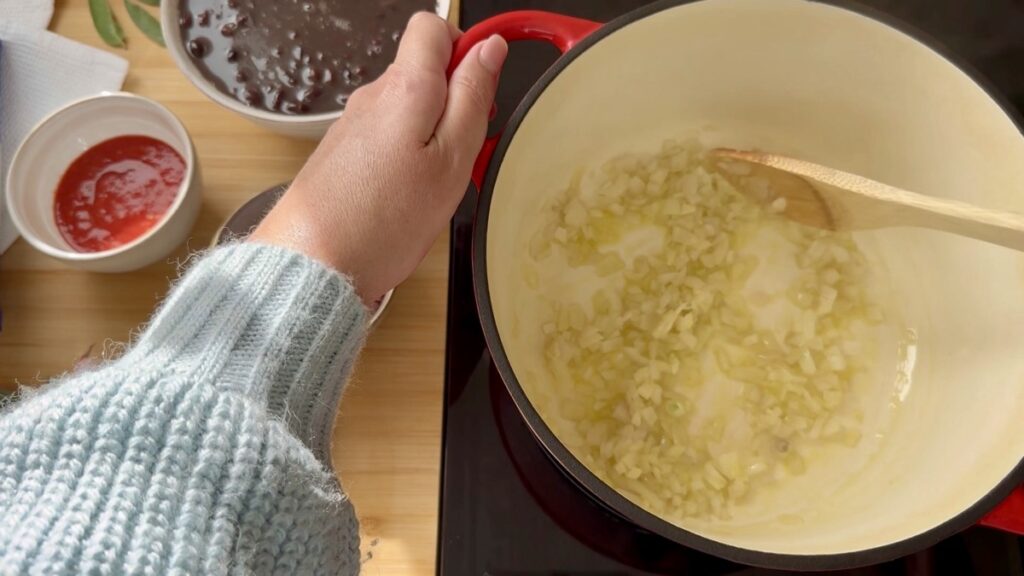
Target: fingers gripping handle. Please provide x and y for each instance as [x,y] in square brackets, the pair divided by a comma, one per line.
[563,32]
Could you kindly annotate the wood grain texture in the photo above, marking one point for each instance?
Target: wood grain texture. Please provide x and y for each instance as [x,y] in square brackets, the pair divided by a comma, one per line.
[386,444]
[835,200]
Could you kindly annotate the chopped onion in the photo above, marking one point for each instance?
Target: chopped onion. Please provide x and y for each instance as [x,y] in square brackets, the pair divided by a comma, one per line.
[673,325]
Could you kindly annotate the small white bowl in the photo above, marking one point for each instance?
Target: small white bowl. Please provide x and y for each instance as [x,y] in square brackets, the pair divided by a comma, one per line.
[63,136]
[309,126]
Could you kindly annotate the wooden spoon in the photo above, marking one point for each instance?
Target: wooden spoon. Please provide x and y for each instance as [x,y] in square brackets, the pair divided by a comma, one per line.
[827,198]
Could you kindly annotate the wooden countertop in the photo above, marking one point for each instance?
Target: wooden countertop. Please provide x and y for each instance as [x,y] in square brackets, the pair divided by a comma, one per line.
[387,441]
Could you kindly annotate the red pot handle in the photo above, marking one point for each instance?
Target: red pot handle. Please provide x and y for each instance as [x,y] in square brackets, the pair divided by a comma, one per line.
[561,31]
[1009,514]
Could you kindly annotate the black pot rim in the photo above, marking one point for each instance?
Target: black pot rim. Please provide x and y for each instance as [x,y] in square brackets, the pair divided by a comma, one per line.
[603,492]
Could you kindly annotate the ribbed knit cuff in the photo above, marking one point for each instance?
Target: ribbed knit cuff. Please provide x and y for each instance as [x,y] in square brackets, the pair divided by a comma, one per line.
[267,323]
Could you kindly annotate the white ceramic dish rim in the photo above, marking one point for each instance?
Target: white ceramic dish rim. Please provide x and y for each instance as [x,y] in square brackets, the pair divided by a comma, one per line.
[169,12]
[190,159]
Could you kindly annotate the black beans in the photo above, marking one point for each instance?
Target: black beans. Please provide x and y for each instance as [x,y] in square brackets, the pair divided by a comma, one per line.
[307,95]
[293,56]
[249,95]
[287,78]
[274,98]
[199,47]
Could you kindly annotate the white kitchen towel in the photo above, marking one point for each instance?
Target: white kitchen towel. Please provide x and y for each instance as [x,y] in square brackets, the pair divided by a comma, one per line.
[39,72]
[33,14]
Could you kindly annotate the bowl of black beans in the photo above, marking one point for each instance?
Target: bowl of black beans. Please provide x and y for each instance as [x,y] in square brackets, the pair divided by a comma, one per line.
[288,65]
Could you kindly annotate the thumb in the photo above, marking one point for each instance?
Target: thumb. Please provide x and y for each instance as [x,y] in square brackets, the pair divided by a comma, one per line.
[471,89]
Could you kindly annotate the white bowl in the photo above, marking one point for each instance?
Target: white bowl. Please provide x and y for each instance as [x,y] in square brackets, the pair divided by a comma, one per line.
[64,135]
[309,126]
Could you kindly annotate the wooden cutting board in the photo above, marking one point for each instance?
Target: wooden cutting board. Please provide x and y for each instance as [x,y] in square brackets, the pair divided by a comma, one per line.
[387,441]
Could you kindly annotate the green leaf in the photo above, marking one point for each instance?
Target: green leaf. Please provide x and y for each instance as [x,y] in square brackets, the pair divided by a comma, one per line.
[150,2]
[145,21]
[105,23]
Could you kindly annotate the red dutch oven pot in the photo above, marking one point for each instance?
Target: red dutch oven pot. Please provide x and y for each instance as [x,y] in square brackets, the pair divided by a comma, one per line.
[837,85]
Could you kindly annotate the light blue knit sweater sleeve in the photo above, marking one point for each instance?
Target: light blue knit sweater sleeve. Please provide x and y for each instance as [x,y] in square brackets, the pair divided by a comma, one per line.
[205,448]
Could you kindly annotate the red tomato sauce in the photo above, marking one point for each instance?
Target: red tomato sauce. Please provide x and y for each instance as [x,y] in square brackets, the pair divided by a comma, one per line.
[116,191]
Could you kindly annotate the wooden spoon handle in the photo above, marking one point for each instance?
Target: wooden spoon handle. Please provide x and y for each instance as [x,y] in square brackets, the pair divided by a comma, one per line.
[864,203]
[854,202]
[994,226]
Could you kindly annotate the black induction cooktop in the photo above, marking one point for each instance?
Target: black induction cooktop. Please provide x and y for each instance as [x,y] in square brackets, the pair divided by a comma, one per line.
[506,509]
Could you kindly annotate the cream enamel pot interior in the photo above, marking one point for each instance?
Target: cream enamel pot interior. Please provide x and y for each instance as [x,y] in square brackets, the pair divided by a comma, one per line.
[836,86]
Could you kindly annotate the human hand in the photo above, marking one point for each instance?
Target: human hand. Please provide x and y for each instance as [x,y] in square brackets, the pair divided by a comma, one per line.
[389,174]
